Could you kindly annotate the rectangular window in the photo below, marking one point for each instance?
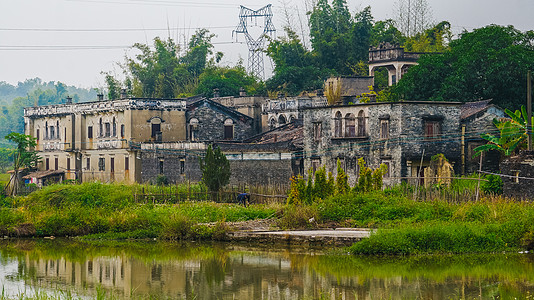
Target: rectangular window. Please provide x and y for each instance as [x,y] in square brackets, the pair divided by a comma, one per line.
[317,128]
[182,166]
[156,130]
[47,163]
[101,164]
[126,163]
[108,129]
[315,164]
[112,165]
[52,132]
[388,165]
[56,163]
[432,129]
[88,166]
[90,132]
[37,135]
[384,129]
[228,132]
[122,131]
[68,163]
[161,166]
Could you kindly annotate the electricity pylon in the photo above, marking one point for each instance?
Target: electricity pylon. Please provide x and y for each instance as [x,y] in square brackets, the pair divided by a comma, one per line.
[255,46]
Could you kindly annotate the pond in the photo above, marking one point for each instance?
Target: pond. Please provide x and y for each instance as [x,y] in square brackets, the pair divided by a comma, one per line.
[157,270]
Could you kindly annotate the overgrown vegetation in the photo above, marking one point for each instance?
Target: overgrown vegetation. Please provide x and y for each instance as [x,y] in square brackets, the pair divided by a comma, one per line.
[110,211]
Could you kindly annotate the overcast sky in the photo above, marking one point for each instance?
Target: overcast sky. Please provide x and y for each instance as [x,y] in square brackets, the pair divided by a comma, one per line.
[37,37]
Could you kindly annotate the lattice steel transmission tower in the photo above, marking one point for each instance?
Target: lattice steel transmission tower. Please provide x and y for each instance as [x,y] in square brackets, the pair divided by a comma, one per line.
[255,46]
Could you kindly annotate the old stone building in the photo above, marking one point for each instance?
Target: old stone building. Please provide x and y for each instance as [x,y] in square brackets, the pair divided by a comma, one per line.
[208,120]
[402,135]
[477,118]
[394,59]
[93,140]
[281,111]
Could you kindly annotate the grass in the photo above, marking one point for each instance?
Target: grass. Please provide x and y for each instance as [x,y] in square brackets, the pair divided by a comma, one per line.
[109,211]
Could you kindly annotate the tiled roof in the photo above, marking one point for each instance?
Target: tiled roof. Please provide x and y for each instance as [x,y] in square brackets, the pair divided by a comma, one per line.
[471,108]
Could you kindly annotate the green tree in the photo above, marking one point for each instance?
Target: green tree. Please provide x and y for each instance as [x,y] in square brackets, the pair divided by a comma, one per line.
[215,169]
[295,68]
[342,180]
[487,63]
[229,81]
[23,157]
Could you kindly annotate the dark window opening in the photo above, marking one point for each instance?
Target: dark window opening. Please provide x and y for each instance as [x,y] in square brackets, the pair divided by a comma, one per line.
[126,163]
[361,124]
[56,163]
[338,127]
[122,131]
[90,132]
[101,164]
[228,132]
[316,164]
[108,129]
[112,165]
[68,163]
[114,127]
[47,164]
[101,128]
[52,132]
[88,167]
[182,166]
[161,166]
[350,125]
[156,132]
[37,135]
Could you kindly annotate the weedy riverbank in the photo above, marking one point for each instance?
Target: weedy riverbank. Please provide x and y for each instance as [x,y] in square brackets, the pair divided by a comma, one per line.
[403,225]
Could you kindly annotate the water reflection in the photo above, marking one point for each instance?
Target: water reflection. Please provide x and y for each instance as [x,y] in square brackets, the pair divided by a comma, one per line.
[215,271]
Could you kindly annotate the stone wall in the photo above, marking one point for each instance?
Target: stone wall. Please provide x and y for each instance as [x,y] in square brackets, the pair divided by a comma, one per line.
[212,120]
[401,150]
[518,166]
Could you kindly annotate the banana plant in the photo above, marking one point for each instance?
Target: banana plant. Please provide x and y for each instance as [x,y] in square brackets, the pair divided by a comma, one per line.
[513,135]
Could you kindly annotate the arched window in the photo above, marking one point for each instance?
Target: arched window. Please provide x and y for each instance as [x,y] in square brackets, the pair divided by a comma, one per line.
[350,125]
[46,131]
[291,118]
[282,120]
[57,129]
[52,131]
[272,124]
[338,125]
[361,124]
[101,127]
[228,129]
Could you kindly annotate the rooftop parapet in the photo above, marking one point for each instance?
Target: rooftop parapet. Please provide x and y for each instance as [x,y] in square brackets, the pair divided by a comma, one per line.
[102,106]
[293,104]
[389,52]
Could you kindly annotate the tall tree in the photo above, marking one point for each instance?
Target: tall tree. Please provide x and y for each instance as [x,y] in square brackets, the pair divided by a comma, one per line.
[413,16]
[487,63]
[215,169]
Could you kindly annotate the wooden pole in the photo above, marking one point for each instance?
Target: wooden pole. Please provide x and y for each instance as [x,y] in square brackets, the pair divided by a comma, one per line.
[463,149]
[479,174]
[529,111]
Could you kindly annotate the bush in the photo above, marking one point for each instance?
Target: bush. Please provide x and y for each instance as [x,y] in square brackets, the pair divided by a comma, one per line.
[298,217]
[493,185]
[162,180]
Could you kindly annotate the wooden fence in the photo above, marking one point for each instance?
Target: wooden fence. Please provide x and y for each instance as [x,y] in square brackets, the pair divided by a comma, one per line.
[259,194]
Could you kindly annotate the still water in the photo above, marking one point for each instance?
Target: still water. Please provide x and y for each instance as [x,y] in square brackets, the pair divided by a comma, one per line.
[140,270]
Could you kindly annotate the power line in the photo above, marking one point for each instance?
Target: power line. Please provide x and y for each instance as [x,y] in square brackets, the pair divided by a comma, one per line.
[162,3]
[110,29]
[78,47]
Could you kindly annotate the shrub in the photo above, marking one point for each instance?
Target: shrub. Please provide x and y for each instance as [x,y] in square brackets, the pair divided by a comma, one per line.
[162,180]
[493,185]
[298,217]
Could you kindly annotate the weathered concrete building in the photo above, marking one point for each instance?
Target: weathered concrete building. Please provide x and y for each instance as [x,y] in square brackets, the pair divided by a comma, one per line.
[402,135]
[281,111]
[92,141]
[347,89]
